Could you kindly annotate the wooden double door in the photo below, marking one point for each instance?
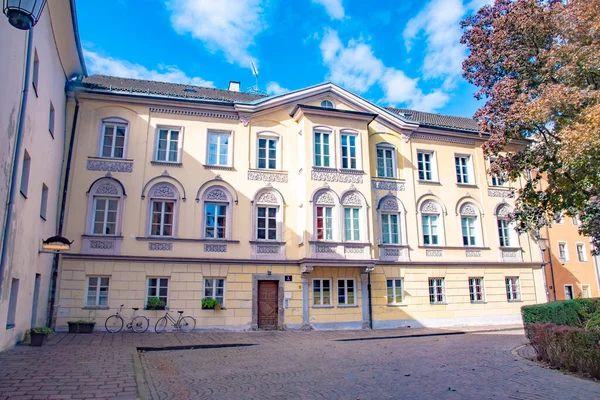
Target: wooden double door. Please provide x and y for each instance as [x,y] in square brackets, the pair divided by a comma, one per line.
[268,304]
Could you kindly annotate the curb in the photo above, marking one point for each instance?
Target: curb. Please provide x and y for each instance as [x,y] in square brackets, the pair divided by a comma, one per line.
[140,379]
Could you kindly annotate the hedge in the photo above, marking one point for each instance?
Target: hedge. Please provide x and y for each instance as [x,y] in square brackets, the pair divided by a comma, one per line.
[566,347]
[584,313]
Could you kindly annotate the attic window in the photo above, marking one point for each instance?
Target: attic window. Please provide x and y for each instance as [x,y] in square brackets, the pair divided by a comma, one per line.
[408,115]
[326,104]
[189,90]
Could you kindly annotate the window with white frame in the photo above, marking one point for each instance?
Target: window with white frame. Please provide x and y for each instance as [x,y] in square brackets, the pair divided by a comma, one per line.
[503,232]
[159,288]
[97,291]
[321,292]
[105,215]
[349,152]
[267,152]
[215,225]
[44,202]
[497,179]
[386,160]
[390,228]
[324,225]
[51,116]
[322,145]
[581,256]
[585,291]
[431,223]
[114,133]
[464,168]
[162,217]
[351,223]
[167,145]
[569,292]
[476,292]
[469,217]
[395,291]
[25,169]
[219,148]
[104,207]
[346,292]
[266,223]
[513,288]
[35,74]
[327,104]
[576,221]
[214,288]
[436,291]
[563,251]
[426,166]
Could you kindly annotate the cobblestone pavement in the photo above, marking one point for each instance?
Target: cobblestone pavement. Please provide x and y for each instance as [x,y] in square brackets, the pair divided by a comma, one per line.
[285,365]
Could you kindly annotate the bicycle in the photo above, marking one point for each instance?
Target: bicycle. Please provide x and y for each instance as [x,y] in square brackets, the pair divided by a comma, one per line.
[138,324]
[185,324]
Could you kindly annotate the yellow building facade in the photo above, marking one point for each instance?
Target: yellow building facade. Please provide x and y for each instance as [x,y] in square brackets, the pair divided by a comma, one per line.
[313,209]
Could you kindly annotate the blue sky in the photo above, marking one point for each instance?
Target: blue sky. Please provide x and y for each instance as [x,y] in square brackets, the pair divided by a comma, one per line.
[397,53]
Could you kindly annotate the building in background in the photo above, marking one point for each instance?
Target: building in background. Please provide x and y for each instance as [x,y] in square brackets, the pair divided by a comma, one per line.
[55,57]
[311,209]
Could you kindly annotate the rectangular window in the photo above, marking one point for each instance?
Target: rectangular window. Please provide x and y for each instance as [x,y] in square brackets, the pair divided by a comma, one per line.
[430,229]
[158,287]
[215,288]
[51,120]
[216,221]
[113,140]
[266,224]
[322,292]
[167,146]
[324,223]
[162,218]
[44,202]
[105,216]
[462,164]
[218,148]
[569,292]
[585,291]
[436,291]
[97,291]
[468,231]
[25,173]
[351,223]
[576,221]
[513,291]
[12,303]
[581,256]
[349,151]
[503,232]
[346,292]
[35,74]
[425,165]
[385,162]
[389,229]
[322,149]
[476,290]
[267,153]
[395,292]
[563,252]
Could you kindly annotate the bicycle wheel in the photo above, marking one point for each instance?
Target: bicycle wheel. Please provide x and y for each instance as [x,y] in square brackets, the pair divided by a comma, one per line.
[114,323]
[140,324]
[187,324]
[161,325]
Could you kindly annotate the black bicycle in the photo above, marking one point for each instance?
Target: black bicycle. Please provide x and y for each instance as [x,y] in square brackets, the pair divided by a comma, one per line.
[185,324]
[115,322]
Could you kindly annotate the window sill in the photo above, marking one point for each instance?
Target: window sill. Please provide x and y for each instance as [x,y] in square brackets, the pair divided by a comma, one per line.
[396,305]
[10,326]
[275,171]
[173,239]
[51,133]
[317,306]
[347,305]
[35,89]
[515,301]
[433,246]
[388,178]
[212,309]
[166,163]
[103,236]
[23,194]
[43,218]
[403,246]
[479,302]
[339,243]
[111,158]
[426,182]
[220,167]
[509,248]
[273,242]
[438,304]
[96,308]
[318,168]
[352,170]
[466,185]
[500,187]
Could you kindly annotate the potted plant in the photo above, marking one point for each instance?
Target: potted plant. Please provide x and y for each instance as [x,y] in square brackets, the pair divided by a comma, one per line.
[208,303]
[38,335]
[154,303]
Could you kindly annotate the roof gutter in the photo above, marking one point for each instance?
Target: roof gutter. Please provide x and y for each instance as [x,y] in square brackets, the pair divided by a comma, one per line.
[76,36]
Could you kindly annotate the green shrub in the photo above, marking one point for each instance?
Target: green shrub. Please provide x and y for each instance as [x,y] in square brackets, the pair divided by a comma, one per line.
[566,347]
[579,313]
[209,303]
[154,303]
[42,329]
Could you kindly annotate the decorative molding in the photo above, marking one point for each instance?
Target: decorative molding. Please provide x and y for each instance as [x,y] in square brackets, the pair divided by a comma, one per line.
[352,199]
[218,167]
[469,210]
[391,252]
[325,198]
[507,194]
[102,244]
[112,166]
[159,246]
[216,194]
[194,113]
[472,253]
[441,138]
[107,188]
[267,176]
[389,204]
[511,254]
[215,248]
[268,249]
[245,119]
[333,175]
[430,207]
[267,197]
[388,185]
[326,248]
[167,164]
[434,253]
[354,249]
[162,191]
[503,212]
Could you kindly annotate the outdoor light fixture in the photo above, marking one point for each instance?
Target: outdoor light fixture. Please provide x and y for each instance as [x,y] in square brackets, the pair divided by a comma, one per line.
[23,14]
[56,244]
[543,243]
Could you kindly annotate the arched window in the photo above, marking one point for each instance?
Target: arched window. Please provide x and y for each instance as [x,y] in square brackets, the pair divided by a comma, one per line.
[507,234]
[353,206]
[163,200]
[431,223]
[217,206]
[105,207]
[268,215]
[327,104]
[391,221]
[113,138]
[470,224]
[325,221]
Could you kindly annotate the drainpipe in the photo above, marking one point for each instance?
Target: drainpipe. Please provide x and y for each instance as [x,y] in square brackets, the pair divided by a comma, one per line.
[15,167]
[61,219]
[370,301]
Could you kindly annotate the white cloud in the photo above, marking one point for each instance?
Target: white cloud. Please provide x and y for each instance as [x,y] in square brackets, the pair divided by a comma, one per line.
[98,64]
[334,8]
[356,68]
[273,89]
[222,25]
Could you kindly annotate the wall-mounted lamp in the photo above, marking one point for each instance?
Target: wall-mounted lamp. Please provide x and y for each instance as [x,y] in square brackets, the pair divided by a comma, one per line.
[23,14]
[56,244]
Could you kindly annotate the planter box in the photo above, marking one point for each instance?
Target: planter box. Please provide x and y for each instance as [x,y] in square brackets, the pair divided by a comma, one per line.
[81,327]
[38,339]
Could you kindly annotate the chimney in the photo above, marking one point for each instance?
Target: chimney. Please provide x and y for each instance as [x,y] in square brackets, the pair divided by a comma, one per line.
[234,86]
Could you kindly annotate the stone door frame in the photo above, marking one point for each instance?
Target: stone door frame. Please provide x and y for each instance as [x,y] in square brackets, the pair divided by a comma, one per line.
[280,279]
